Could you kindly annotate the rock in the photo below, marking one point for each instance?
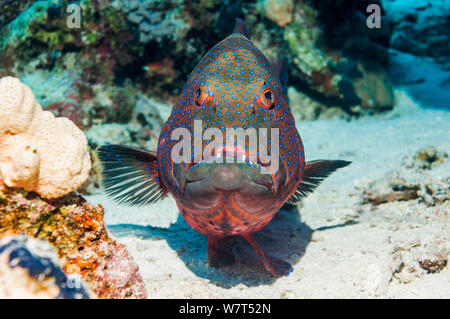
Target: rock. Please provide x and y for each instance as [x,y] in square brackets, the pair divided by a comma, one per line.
[397,194]
[331,47]
[374,89]
[77,231]
[29,268]
[279,11]
[304,108]
[420,27]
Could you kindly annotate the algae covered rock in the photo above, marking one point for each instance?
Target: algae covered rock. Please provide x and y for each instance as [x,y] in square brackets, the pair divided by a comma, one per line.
[77,231]
[337,57]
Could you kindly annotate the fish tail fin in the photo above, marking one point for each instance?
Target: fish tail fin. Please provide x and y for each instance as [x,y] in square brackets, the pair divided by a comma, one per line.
[315,172]
[241,27]
[130,175]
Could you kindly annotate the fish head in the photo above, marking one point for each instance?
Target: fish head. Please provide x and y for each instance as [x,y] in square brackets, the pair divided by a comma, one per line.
[243,142]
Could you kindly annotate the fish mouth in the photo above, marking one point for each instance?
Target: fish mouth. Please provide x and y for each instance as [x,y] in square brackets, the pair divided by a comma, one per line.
[226,176]
[208,182]
[227,169]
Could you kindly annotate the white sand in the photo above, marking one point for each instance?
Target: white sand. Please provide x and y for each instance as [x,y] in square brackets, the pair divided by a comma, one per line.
[339,248]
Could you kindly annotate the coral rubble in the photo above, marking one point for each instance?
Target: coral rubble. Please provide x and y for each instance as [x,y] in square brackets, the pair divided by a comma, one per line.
[414,181]
[407,185]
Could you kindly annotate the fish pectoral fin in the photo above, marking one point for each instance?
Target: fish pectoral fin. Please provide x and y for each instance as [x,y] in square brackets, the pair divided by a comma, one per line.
[315,172]
[275,266]
[241,27]
[130,175]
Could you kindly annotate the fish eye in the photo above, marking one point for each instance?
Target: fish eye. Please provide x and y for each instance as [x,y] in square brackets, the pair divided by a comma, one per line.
[200,96]
[267,98]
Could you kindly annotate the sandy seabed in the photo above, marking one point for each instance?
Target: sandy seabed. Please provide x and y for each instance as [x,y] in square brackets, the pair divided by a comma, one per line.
[339,246]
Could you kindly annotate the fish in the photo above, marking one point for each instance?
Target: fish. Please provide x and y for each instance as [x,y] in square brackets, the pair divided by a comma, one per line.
[224,183]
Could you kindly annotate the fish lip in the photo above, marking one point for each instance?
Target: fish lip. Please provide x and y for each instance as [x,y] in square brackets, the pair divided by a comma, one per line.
[235,160]
[251,182]
[239,157]
[223,189]
[188,180]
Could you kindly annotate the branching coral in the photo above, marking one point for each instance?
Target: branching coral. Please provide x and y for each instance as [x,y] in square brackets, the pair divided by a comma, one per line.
[38,152]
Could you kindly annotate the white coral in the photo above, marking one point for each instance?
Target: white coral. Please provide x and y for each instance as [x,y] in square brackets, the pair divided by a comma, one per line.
[38,152]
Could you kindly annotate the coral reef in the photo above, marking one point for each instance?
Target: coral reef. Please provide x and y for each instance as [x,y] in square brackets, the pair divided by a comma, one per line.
[29,269]
[379,230]
[128,48]
[153,23]
[331,47]
[11,9]
[50,156]
[82,61]
[77,231]
[38,152]
[420,27]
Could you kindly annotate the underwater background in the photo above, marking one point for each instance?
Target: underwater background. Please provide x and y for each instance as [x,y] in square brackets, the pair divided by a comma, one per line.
[374,91]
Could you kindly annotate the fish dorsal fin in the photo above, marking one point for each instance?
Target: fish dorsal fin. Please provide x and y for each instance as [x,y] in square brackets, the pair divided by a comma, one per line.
[130,175]
[280,67]
[315,172]
[241,27]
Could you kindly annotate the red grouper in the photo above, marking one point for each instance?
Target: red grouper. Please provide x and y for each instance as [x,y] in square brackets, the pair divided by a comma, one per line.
[213,153]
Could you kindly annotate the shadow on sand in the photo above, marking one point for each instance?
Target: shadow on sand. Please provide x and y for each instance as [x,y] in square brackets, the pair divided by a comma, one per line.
[285,237]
